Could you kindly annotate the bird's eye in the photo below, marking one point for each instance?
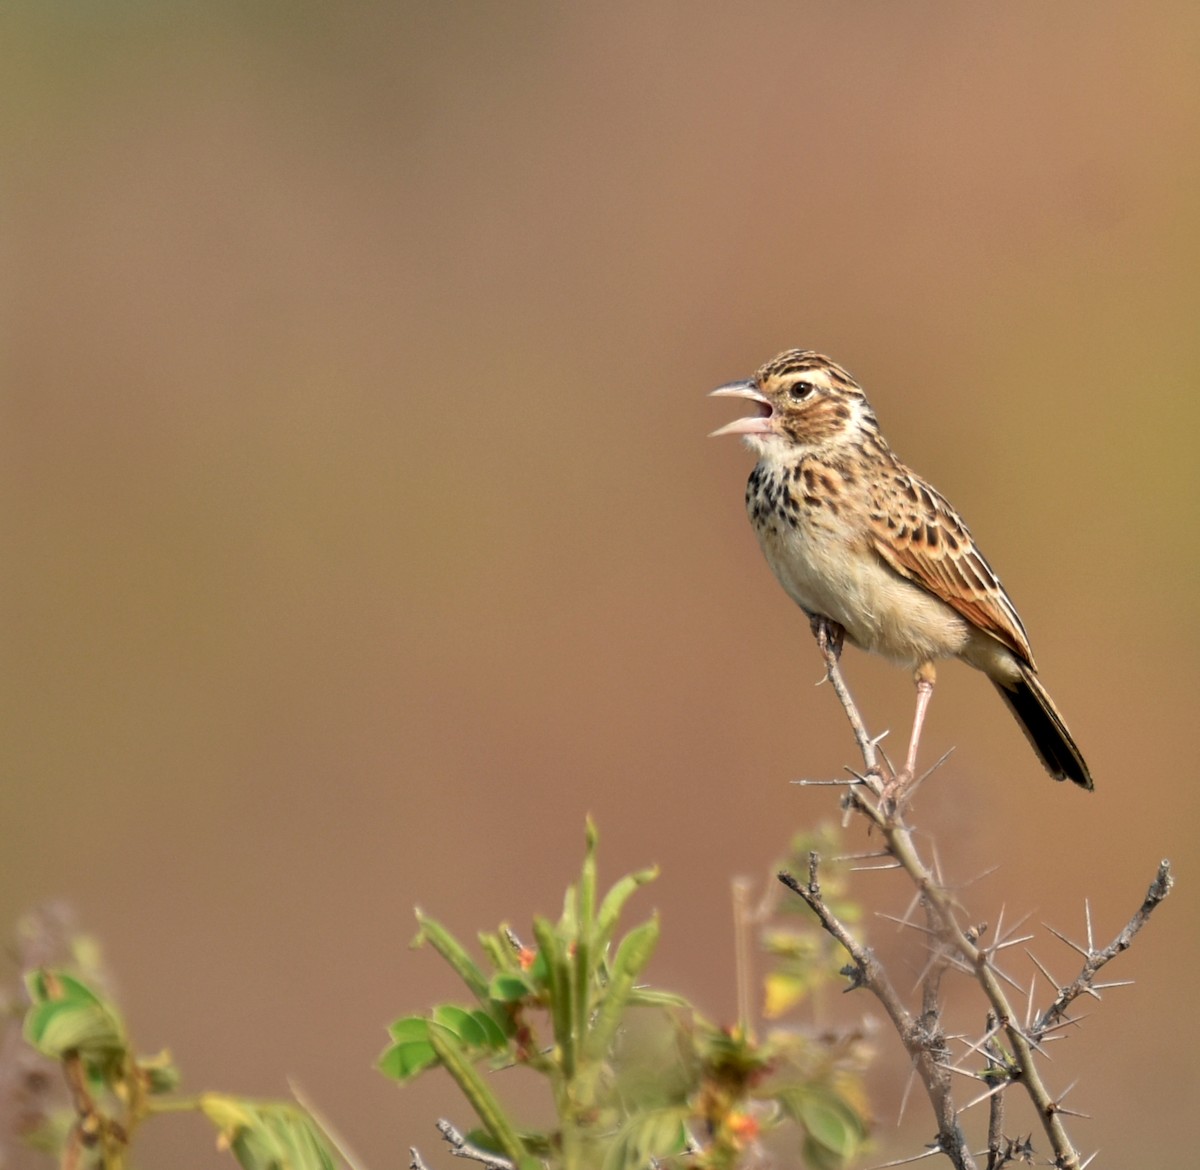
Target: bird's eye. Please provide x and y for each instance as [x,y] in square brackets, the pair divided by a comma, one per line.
[800,390]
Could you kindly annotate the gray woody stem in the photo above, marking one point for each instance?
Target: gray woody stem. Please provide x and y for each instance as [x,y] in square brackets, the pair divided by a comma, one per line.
[923,1037]
[925,1047]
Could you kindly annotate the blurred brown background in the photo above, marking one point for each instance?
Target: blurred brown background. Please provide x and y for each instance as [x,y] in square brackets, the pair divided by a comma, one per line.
[361,533]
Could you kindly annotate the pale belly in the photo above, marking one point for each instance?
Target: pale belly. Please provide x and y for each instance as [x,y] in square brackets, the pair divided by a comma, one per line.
[829,570]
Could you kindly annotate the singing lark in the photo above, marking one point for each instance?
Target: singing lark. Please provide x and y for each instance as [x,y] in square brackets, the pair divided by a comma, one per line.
[858,539]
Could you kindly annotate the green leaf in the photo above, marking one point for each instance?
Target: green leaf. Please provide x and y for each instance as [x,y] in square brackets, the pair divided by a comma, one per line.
[832,1123]
[817,1157]
[510,987]
[648,1137]
[498,951]
[68,1016]
[402,1062]
[539,972]
[409,1028]
[655,997]
[494,1035]
[446,945]
[55,1029]
[614,903]
[462,1023]
[411,1052]
[268,1136]
[834,1131]
[55,986]
[634,952]
[632,956]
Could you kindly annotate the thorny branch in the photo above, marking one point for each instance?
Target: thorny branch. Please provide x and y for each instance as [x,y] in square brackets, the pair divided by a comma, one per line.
[925,1048]
[1084,982]
[461,1148]
[960,947]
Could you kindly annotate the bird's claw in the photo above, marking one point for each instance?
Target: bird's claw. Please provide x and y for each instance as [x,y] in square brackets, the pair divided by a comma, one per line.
[830,635]
[895,792]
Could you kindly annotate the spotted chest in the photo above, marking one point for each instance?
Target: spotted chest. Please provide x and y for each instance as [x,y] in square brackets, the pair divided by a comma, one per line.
[812,520]
[808,520]
[801,497]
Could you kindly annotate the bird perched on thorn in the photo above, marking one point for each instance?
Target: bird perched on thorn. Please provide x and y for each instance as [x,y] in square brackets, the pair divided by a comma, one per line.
[860,541]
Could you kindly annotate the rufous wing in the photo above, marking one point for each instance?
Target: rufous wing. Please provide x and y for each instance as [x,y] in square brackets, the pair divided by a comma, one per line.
[916,531]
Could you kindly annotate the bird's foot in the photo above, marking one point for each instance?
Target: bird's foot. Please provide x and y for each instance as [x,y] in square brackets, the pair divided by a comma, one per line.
[830,635]
[895,793]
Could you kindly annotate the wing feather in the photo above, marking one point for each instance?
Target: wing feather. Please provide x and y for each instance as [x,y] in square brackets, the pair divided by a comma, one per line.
[916,531]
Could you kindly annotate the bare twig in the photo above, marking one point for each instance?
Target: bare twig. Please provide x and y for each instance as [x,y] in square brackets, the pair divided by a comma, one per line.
[829,639]
[957,946]
[461,1148]
[1094,960]
[924,1048]
[996,1108]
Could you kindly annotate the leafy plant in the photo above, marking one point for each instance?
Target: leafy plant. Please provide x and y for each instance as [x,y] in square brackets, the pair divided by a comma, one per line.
[636,1075]
[113,1091]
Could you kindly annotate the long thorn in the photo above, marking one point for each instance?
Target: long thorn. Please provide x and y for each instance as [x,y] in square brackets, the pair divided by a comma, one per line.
[912,1076]
[930,1153]
[1058,934]
[1038,964]
[906,922]
[984,1096]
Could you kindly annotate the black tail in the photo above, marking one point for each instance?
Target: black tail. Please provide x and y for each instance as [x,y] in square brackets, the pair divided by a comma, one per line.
[1045,729]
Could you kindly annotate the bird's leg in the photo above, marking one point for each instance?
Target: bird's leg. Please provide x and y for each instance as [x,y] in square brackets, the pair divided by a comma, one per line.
[925,677]
[893,792]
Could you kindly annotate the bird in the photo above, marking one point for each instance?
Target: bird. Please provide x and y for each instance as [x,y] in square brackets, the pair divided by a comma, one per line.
[859,540]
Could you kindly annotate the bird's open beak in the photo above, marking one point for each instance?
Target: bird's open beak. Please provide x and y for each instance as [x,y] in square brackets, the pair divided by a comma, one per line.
[754,424]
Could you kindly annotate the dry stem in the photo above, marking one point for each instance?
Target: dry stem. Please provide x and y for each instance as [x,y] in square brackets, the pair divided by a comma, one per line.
[960,947]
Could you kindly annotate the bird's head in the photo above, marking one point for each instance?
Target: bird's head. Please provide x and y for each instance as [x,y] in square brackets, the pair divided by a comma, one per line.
[802,401]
